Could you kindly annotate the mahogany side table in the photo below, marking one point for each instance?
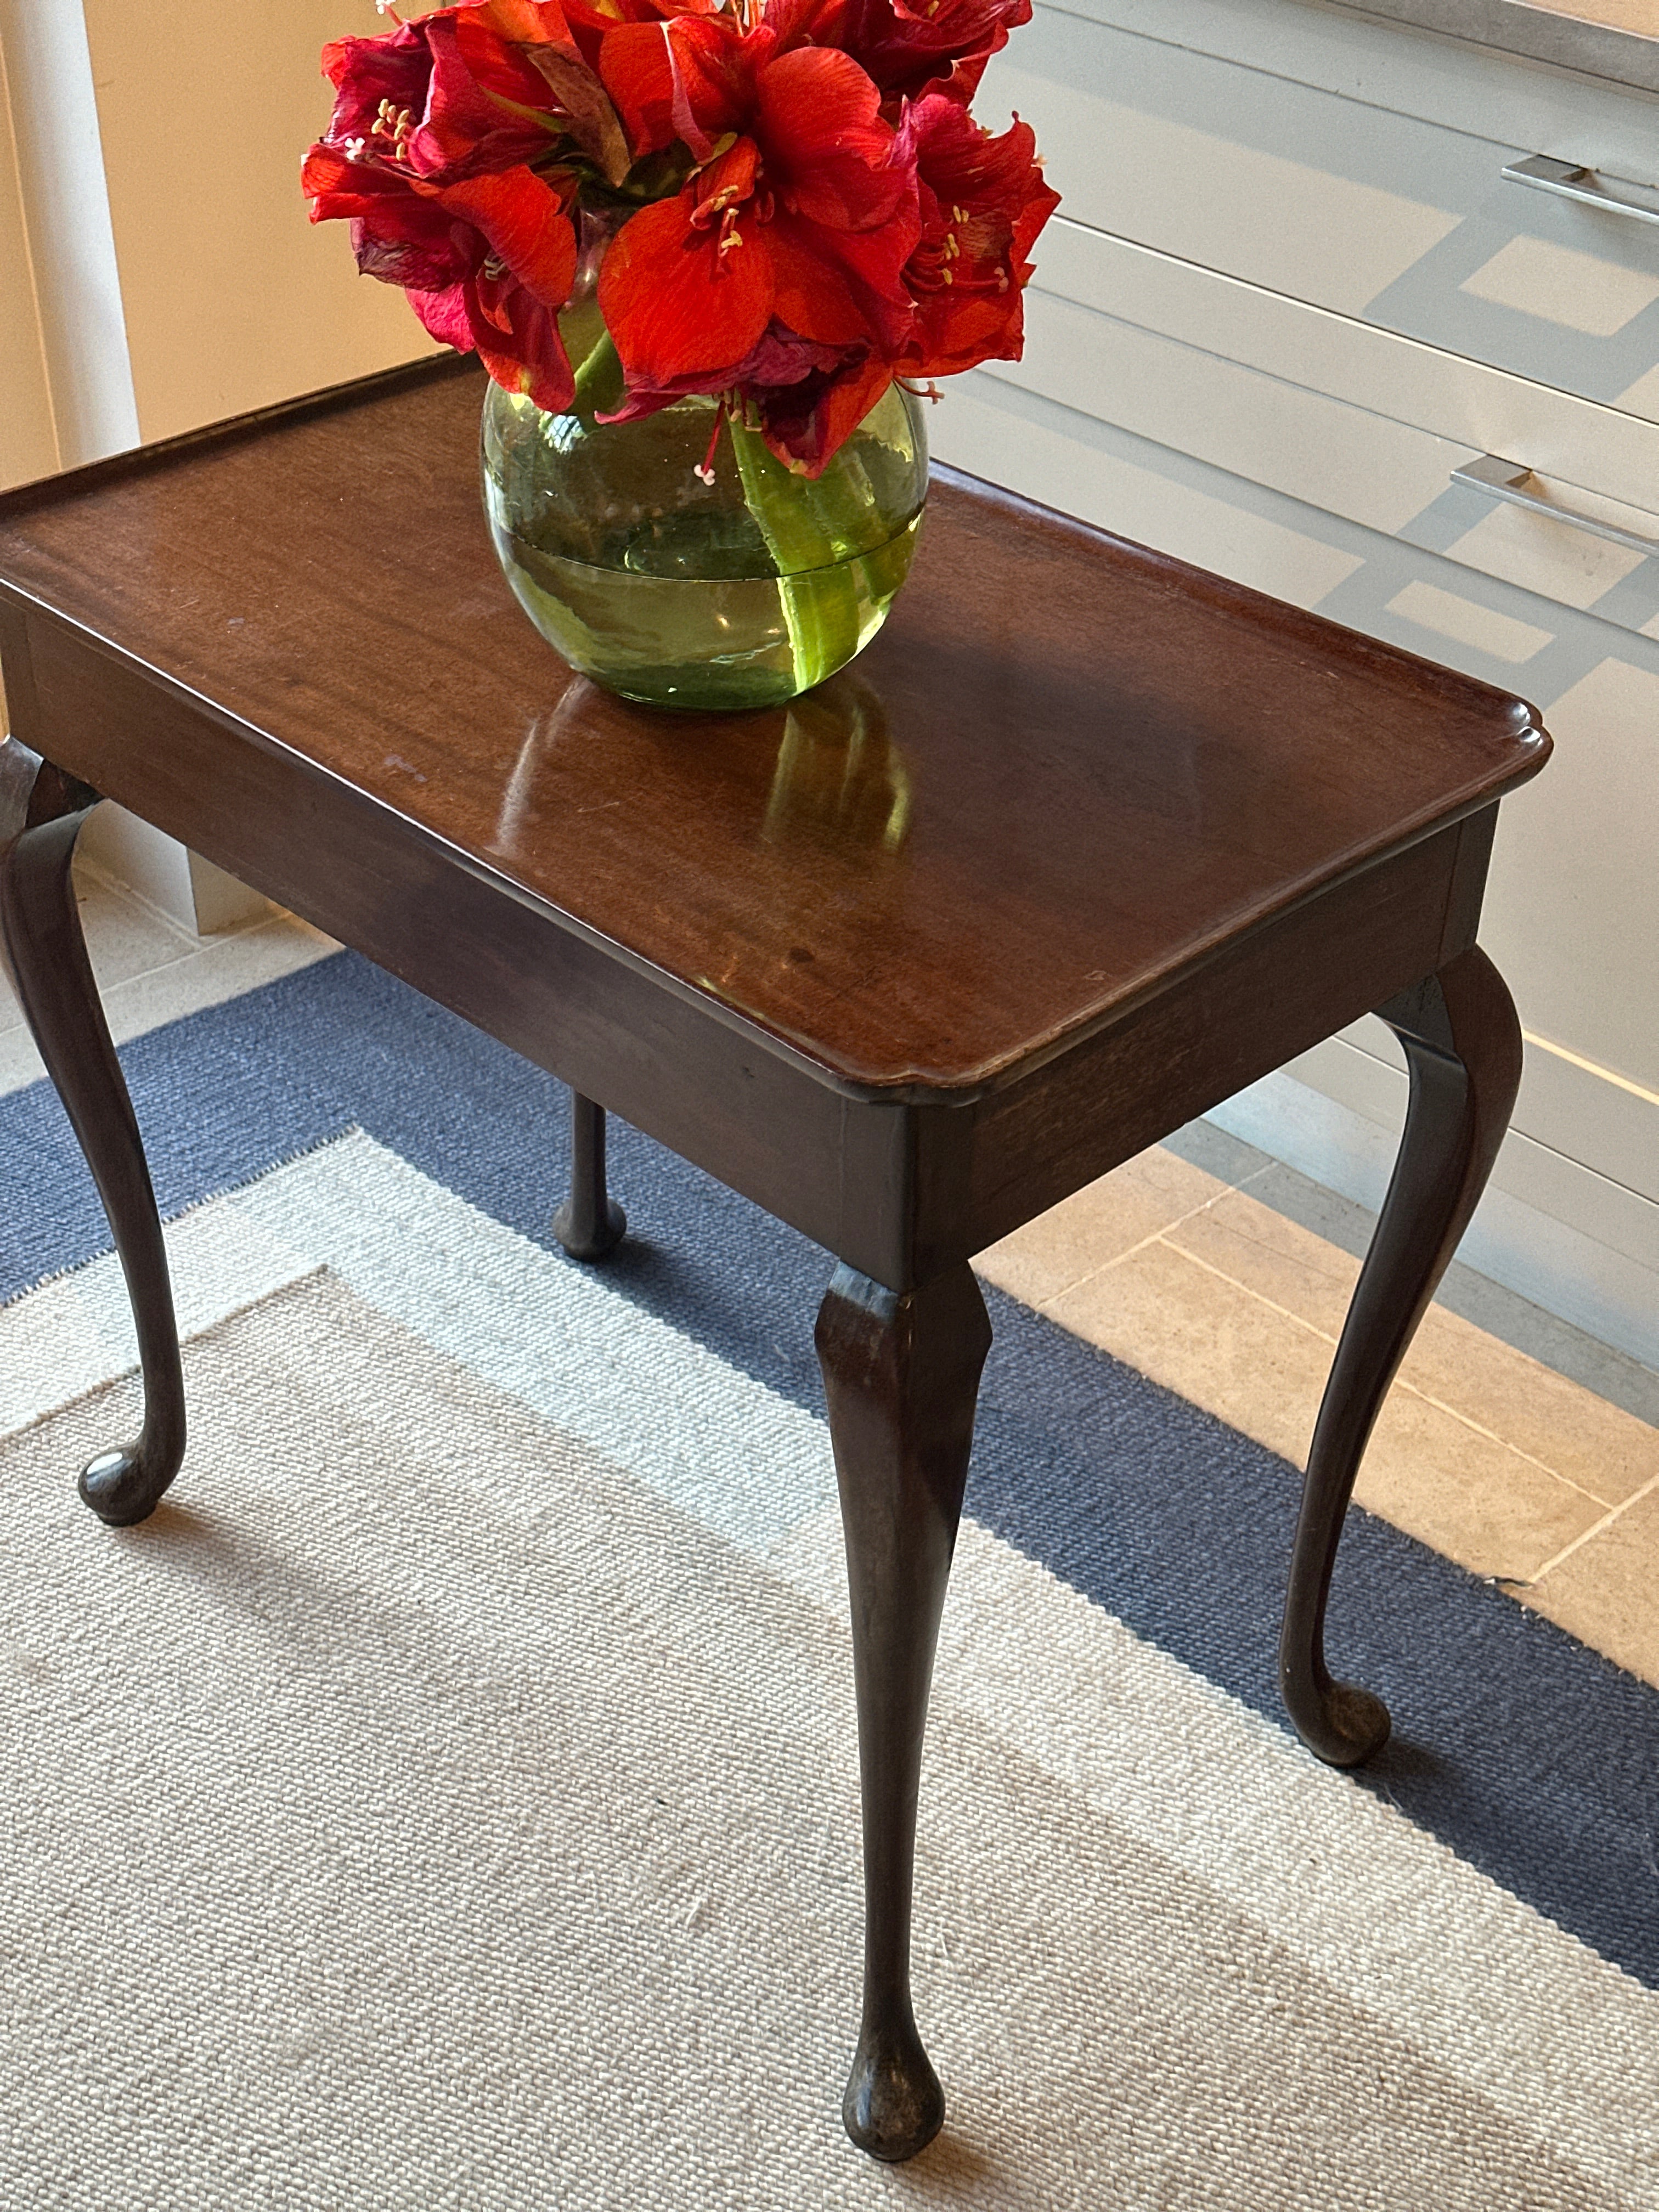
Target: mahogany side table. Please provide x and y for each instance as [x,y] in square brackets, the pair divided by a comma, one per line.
[1085,842]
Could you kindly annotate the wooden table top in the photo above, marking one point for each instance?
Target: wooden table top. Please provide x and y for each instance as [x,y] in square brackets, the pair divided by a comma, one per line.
[1068,768]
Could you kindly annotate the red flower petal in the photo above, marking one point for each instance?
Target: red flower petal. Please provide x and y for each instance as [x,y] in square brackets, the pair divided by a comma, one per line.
[839,287]
[665,76]
[808,421]
[518,341]
[677,300]
[937,46]
[984,202]
[445,316]
[524,221]
[826,150]
[499,70]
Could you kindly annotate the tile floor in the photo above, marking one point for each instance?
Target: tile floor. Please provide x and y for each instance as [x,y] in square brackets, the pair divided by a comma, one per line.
[1191,1263]
[1513,1468]
[152,971]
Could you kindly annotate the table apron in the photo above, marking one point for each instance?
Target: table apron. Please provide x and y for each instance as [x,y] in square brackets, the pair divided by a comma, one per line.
[1259,1002]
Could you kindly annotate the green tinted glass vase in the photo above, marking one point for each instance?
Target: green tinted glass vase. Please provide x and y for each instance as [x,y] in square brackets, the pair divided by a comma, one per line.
[692,574]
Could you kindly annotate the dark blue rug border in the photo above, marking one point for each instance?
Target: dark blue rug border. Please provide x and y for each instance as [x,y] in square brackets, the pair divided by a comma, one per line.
[1532,1757]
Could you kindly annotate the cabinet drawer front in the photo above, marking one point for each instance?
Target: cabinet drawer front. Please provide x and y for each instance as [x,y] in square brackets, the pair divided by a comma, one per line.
[1404,223]
[1355,420]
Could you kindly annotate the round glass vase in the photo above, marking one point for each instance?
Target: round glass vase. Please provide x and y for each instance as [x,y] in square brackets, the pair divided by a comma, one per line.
[688,574]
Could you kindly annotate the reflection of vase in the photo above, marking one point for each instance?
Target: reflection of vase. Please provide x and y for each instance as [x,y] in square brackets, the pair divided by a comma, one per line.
[683,591]
[840,781]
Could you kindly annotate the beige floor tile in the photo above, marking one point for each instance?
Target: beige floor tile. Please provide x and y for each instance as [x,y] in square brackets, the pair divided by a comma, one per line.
[1274,1257]
[1207,1339]
[1096,1224]
[1606,1592]
[1601,1449]
[1467,1495]
[124,938]
[1606,1452]
[1263,1370]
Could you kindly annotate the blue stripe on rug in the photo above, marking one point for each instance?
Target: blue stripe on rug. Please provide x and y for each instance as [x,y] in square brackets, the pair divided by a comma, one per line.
[1532,1757]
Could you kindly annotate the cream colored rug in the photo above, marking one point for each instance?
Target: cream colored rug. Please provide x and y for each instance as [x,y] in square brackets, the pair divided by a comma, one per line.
[451,1800]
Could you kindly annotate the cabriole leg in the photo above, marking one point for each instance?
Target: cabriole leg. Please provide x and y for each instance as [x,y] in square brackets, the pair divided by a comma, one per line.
[1462,1045]
[41,812]
[589,1224]
[900,1371]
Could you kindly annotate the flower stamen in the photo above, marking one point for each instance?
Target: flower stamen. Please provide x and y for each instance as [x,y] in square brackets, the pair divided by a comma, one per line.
[704,471]
[396,126]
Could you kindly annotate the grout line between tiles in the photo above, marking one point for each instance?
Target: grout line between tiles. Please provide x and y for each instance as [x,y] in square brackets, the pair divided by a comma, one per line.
[128,895]
[1152,1237]
[1425,1396]
[1600,1528]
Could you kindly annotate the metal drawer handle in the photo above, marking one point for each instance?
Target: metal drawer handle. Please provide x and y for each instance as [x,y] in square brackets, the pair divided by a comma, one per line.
[1617,196]
[1507,480]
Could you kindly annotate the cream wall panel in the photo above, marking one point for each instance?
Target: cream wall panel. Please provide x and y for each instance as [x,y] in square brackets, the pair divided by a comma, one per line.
[1540,555]
[972,434]
[1340,203]
[1613,1123]
[28,441]
[1535,1227]
[1599,448]
[1580,292]
[1586,453]
[1641,397]
[1622,1220]
[233,298]
[1466,621]
[1615,1126]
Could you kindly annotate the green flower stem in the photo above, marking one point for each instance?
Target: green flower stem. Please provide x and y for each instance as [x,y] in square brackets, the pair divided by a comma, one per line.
[600,379]
[815,582]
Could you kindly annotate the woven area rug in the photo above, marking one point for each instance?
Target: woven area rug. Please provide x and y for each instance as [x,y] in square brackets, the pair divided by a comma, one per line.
[449,1798]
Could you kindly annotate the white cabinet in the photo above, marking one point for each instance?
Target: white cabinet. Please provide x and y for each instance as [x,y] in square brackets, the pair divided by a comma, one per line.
[1343,204]
[1288,297]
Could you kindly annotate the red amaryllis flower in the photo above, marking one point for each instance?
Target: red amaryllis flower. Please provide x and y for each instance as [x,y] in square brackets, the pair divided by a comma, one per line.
[542,54]
[983,203]
[937,46]
[690,79]
[799,229]
[807,419]
[807,399]
[411,100]
[487,261]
